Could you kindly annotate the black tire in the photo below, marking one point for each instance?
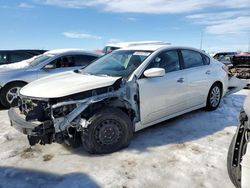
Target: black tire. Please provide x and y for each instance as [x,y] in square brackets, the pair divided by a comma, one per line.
[210,105]
[75,141]
[110,130]
[233,172]
[6,89]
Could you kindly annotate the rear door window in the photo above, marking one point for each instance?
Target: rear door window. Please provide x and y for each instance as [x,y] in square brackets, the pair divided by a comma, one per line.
[192,59]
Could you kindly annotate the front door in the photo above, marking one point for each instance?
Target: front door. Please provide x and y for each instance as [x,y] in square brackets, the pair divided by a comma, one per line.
[161,97]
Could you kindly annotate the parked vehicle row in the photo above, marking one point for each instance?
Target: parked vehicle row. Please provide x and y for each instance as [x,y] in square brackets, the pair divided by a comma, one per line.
[102,105]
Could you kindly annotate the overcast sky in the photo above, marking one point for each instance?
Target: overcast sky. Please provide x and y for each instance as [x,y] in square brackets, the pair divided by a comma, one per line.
[90,24]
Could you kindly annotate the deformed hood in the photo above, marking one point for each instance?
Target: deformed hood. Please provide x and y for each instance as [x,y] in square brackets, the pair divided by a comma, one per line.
[65,84]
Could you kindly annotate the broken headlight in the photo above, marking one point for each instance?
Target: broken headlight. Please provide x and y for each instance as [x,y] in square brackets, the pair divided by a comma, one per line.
[63,110]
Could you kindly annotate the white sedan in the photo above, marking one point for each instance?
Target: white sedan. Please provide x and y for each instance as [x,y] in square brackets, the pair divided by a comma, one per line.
[118,94]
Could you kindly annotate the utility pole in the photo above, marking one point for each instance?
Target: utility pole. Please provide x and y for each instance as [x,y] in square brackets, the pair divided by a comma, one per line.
[201,42]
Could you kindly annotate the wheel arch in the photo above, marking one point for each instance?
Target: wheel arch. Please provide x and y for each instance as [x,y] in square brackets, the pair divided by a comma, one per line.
[14,81]
[216,82]
[11,82]
[114,102]
[220,83]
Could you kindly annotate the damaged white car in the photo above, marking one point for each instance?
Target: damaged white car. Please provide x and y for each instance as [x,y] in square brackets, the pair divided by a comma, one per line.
[102,105]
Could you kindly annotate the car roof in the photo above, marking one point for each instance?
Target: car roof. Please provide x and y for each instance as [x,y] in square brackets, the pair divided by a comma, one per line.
[145,47]
[67,51]
[158,47]
[128,44]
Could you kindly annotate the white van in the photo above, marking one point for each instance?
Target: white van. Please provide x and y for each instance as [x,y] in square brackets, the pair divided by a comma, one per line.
[115,46]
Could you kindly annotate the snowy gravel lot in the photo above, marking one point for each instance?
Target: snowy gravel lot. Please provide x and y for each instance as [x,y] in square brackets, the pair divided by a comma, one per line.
[188,151]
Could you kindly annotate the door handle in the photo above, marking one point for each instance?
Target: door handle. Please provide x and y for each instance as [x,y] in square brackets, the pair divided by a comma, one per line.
[208,72]
[180,80]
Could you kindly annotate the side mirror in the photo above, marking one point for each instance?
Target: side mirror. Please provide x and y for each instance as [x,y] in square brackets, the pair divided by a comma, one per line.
[154,72]
[48,67]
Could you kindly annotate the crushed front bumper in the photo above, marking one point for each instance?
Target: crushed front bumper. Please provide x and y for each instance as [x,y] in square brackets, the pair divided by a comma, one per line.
[17,120]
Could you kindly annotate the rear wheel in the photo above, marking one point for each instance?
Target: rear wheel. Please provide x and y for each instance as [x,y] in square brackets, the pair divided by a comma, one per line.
[214,97]
[109,130]
[9,93]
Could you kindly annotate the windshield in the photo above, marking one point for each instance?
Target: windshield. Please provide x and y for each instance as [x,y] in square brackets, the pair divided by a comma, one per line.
[117,64]
[39,59]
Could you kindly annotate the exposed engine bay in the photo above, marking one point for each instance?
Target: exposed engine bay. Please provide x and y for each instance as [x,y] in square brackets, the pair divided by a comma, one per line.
[62,119]
[240,67]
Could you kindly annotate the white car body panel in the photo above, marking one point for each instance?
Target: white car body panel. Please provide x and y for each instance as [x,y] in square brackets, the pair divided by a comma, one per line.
[64,84]
[161,103]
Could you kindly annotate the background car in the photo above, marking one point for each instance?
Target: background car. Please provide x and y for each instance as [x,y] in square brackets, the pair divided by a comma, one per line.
[12,56]
[14,77]
[115,46]
[238,157]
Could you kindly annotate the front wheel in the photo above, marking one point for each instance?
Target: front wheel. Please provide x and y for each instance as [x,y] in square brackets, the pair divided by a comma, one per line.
[214,97]
[109,130]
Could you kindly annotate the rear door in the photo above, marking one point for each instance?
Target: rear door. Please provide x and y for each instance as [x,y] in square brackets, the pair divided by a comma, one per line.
[198,73]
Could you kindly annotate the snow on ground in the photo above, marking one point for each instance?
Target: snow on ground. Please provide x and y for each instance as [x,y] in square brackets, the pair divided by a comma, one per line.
[188,151]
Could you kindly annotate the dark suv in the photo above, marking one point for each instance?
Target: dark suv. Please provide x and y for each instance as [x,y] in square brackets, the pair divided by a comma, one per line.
[12,56]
